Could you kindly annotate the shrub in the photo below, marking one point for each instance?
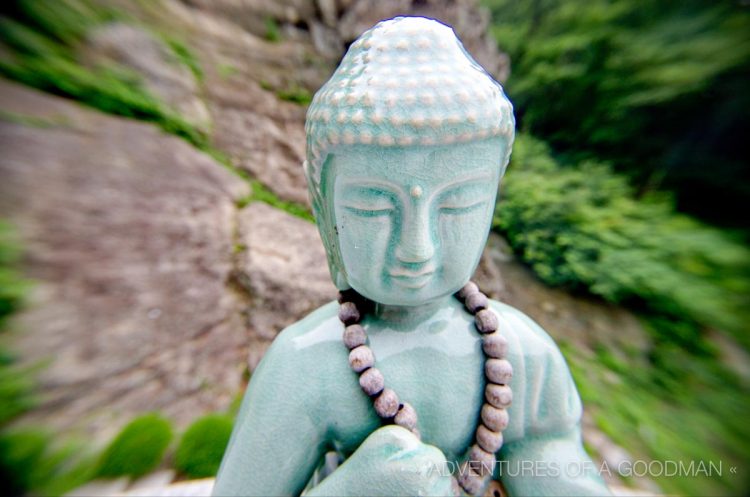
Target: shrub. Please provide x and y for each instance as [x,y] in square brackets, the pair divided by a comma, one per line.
[582,227]
[202,446]
[33,463]
[138,448]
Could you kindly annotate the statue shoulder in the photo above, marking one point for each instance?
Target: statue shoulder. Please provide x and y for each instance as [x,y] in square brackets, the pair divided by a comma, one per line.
[545,398]
[319,330]
[302,346]
[531,337]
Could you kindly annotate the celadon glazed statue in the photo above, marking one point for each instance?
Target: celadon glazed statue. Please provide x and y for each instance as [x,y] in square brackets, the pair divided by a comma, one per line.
[413,383]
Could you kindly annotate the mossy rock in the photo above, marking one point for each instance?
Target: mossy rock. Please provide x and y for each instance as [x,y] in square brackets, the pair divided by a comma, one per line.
[138,449]
[202,446]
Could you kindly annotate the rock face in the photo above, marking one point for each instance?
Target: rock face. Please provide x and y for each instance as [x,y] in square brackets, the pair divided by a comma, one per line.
[284,270]
[246,70]
[153,291]
[162,72]
[128,233]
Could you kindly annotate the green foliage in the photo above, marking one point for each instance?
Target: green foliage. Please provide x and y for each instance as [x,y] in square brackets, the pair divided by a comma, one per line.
[42,56]
[697,415]
[261,193]
[658,89]
[582,227]
[202,446]
[16,384]
[273,33]
[185,56]
[13,286]
[297,95]
[138,449]
[31,463]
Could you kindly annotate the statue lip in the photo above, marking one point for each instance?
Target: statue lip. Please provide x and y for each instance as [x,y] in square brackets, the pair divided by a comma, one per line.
[412,279]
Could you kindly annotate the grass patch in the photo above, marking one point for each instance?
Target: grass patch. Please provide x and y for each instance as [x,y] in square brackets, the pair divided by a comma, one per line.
[202,446]
[31,463]
[42,41]
[185,56]
[138,449]
[272,30]
[260,193]
[697,416]
[296,94]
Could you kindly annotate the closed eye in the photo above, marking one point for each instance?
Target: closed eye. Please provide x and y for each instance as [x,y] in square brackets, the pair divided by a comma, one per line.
[364,210]
[461,206]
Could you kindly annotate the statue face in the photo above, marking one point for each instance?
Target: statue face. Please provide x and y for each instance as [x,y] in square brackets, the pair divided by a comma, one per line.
[412,222]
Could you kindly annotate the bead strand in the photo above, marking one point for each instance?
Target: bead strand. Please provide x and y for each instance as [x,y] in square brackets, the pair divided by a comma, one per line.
[362,361]
[475,472]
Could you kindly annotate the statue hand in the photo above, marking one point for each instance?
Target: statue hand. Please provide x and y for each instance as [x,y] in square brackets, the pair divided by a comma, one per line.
[391,461]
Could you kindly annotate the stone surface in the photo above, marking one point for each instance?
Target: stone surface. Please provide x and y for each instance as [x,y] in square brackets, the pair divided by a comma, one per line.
[130,247]
[163,75]
[283,267]
[101,487]
[152,482]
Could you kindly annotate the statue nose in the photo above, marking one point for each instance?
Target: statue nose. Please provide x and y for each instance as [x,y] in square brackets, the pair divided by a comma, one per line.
[415,245]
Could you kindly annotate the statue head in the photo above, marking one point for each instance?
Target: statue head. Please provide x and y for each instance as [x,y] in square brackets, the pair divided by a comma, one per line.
[406,145]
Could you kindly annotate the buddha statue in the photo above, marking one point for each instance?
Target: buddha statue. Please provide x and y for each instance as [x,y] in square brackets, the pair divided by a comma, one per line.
[414,383]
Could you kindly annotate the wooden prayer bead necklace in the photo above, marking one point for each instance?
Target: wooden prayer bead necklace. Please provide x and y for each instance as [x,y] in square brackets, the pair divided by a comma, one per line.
[475,472]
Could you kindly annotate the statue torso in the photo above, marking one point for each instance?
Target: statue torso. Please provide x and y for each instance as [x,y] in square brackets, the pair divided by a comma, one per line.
[437,366]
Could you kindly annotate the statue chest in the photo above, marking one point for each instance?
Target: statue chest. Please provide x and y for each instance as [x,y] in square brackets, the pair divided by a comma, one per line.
[440,373]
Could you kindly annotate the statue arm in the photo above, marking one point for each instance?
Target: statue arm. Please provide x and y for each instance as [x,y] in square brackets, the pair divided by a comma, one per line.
[278,437]
[544,454]
[552,464]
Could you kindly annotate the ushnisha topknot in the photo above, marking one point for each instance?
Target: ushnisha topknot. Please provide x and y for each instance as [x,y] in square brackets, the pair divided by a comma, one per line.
[406,81]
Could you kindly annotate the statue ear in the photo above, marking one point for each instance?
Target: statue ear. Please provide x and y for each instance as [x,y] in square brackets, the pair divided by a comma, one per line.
[325,221]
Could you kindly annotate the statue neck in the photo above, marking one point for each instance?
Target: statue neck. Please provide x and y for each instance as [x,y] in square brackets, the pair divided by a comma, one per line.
[406,318]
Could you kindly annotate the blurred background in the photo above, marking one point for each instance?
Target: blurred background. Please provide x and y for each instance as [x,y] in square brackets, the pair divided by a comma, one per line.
[155,232]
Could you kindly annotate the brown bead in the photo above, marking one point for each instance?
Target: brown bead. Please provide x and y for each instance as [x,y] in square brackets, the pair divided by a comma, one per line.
[495,345]
[406,417]
[489,440]
[361,358]
[493,418]
[486,321]
[499,396]
[354,336]
[468,289]
[475,302]
[348,313]
[471,482]
[498,371]
[371,381]
[481,461]
[386,404]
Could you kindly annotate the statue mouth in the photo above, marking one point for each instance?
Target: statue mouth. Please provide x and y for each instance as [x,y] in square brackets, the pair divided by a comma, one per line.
[412,279]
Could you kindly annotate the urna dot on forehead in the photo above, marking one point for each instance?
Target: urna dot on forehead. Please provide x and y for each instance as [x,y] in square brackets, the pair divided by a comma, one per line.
[407,81]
